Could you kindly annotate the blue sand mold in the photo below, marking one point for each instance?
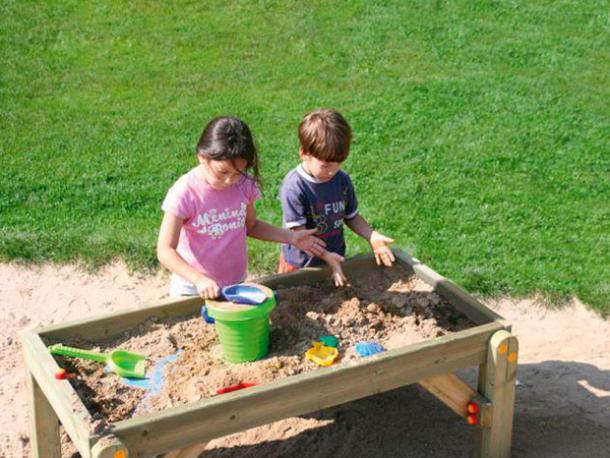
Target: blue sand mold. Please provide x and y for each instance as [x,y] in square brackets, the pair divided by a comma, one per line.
[154,382]
[244,294]
[369,348]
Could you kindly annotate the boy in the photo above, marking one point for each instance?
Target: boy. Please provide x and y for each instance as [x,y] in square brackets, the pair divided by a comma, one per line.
[318,194]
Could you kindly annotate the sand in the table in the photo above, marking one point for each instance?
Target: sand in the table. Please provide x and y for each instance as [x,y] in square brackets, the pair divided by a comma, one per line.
[389,306]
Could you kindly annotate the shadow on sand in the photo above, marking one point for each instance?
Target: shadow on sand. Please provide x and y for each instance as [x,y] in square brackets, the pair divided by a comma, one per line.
[557,415]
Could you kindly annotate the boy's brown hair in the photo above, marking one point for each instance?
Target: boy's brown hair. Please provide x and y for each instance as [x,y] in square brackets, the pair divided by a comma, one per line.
[326,135]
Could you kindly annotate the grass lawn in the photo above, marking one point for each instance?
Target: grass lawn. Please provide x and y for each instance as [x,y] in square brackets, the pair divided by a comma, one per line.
[481,127]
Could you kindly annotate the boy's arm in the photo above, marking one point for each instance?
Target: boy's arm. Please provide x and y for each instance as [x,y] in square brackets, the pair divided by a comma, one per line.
[333,260]
[353,220]
[379,242]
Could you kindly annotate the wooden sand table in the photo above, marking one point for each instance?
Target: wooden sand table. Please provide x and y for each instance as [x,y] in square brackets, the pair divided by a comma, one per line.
[428,326]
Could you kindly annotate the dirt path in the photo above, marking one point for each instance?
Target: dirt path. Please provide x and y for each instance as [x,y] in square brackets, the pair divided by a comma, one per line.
[563,400]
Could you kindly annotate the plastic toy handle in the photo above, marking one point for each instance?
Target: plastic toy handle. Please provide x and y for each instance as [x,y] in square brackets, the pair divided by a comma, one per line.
[59,349]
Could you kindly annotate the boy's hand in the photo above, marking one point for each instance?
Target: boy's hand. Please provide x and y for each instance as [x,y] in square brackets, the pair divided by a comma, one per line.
[334,262]
[383,253]
[207,288]
[305,241]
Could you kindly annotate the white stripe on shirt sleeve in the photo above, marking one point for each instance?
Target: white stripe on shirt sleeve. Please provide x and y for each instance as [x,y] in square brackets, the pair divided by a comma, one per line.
[291,224]
[352,215]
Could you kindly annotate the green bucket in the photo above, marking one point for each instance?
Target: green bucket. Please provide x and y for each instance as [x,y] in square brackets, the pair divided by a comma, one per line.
[243,330]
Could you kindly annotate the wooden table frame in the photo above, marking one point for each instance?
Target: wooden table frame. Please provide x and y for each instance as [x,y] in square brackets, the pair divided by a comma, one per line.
[182,431]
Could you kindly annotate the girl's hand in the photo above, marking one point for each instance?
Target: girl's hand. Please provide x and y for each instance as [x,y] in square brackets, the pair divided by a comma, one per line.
[334,262]
[207,288]
[305,241]
[383,253]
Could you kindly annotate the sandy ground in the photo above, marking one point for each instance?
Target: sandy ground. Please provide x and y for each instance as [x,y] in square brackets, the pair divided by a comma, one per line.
[563,399]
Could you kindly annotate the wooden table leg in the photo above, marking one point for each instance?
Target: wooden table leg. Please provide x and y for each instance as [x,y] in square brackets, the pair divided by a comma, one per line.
[497,383]
[44,424]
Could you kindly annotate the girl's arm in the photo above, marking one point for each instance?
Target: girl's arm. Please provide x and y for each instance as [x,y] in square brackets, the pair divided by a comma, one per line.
[379,242]
[303,240]
[169,258]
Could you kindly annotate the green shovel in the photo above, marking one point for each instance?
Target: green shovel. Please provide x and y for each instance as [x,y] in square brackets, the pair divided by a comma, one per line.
[121,362]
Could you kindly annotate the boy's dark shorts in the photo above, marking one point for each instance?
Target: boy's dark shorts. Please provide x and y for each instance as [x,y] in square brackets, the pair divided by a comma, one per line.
[284,267]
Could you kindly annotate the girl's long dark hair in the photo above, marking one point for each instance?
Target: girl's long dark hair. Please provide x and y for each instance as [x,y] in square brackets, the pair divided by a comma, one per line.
[226,139]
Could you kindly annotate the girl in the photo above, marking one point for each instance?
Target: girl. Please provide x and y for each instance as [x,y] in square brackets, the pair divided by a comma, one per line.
[210,210]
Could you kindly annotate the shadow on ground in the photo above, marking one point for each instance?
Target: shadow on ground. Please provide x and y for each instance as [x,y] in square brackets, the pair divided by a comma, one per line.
[557,415]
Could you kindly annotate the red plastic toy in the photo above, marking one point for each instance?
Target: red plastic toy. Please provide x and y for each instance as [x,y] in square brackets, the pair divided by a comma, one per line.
[239,386]
[62,374]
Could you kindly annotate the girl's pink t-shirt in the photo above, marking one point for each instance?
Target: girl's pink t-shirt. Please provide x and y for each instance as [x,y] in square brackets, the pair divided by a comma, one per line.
[213,235]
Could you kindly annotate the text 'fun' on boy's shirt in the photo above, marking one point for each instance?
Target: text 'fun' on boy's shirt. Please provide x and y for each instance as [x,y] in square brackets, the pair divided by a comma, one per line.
[213,236]
[307,201]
